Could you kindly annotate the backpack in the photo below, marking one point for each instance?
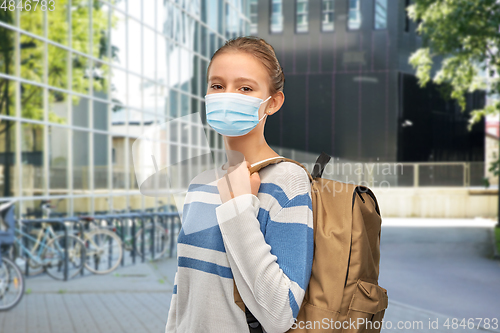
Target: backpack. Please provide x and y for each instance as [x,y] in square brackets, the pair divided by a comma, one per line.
[343,294]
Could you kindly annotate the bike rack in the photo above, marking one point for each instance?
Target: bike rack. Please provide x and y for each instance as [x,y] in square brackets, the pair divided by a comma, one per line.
[77,222]
[176,221]
[121,218]
[151,217]
[138,216]
[166,219]
[131,217]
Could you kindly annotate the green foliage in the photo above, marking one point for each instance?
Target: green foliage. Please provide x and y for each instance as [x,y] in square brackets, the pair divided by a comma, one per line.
[465,34]
[45,63]
[491,109]
[495,167]
[32,57]
[497,238]
[486,182]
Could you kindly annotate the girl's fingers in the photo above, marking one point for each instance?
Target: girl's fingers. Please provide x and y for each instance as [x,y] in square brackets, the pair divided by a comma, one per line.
[255,183]
[238,180]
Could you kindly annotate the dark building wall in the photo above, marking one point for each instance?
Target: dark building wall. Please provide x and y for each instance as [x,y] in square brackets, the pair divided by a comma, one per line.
[439,127]
[340,86]
[343,88]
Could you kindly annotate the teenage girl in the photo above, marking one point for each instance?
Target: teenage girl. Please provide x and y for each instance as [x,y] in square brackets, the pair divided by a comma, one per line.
[256,234]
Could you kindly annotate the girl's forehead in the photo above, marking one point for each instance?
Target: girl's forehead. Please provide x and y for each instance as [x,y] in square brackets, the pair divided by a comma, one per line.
[238,60]
[237,64]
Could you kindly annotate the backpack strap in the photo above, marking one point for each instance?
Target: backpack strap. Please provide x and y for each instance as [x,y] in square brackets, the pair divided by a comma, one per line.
[320,164]
[259,165]
[253,323]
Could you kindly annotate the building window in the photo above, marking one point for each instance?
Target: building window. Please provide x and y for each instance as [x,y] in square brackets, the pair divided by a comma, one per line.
[301,16]
[327,15]
[253,17]
[354,21]
[407,18]
[276,16]
[380,14]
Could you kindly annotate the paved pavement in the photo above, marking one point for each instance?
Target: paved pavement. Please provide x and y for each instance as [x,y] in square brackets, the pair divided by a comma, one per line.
[131,299]
[432,274]
[442,269]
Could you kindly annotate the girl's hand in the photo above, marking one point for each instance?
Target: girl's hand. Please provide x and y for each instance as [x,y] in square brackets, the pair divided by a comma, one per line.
[238,181]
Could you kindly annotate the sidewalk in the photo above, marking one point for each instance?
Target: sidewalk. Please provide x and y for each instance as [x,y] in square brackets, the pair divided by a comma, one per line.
[131,299]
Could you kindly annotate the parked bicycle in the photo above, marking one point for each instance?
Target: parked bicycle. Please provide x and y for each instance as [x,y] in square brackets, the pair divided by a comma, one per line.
[43,250]
[11,279]
[103,247]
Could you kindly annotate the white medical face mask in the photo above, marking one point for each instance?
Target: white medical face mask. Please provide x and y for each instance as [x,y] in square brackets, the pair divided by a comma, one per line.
[233,114]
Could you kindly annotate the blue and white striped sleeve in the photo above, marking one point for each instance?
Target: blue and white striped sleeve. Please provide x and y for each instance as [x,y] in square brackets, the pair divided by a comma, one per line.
[170,327]
[291,239]
[271,271]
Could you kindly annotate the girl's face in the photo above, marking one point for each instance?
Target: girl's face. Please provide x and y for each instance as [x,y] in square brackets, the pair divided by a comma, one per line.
[239,72]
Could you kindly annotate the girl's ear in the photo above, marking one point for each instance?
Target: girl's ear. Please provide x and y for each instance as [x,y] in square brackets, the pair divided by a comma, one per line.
[275,103]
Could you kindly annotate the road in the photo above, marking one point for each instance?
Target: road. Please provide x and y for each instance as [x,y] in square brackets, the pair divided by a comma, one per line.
[443,267]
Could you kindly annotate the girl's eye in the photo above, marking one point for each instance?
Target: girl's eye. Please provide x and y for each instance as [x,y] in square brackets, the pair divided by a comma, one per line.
[246,89]
[216,86]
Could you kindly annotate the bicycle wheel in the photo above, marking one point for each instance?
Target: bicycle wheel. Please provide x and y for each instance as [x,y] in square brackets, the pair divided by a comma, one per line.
[35,266]
[54,255]
[161,241]
[11,284]
[103,251]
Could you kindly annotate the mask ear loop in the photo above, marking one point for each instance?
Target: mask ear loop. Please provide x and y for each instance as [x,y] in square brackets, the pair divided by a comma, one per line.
[265,114]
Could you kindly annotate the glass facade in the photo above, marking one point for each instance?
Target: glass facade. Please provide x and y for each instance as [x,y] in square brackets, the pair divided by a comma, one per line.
[407,17]
[254,16]
[276,18]
[380,14]
[327,15]
[302,16]
[354,19]
[80,83]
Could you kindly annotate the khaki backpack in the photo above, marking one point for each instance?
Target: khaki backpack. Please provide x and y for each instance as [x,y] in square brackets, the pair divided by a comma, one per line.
[343,294]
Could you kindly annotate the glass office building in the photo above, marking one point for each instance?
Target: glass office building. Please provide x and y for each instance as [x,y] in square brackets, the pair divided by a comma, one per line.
[81,80]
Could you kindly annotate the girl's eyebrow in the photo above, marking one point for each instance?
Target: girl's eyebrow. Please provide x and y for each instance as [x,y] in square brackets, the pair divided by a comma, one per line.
[246,79]
[239,79]
[215,78]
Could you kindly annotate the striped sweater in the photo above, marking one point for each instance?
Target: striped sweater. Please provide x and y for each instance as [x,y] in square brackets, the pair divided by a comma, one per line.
[263,242]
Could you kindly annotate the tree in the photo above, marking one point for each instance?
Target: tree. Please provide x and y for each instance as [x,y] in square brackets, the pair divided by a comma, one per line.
[465,36]
[32,60]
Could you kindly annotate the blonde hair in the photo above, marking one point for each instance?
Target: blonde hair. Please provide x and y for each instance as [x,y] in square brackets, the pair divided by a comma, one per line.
[261,50]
